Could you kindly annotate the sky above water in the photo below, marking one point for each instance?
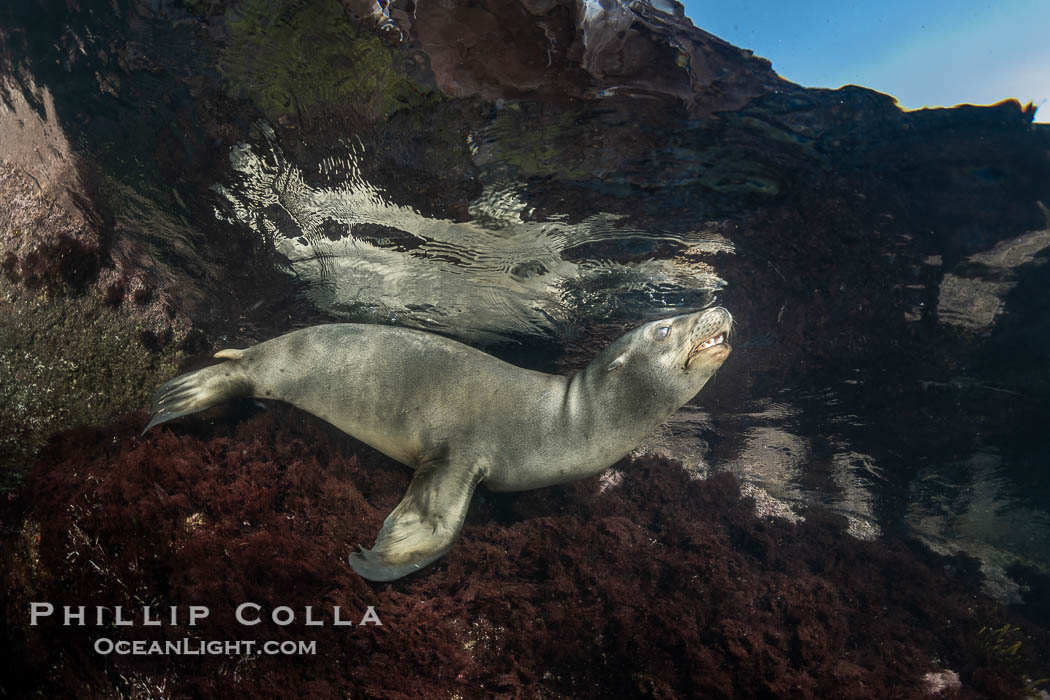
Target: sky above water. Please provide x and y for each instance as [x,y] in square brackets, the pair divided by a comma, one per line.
[935,52]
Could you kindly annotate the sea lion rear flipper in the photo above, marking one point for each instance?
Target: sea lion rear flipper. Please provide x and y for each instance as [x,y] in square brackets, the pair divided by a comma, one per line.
[423,526]
[196,391]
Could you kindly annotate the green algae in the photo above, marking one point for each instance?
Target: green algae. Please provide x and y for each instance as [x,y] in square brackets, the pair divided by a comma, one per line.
[293,59]
[536,143]
[66,361]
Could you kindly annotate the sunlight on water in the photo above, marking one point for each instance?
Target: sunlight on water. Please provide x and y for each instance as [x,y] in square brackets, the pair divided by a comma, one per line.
[972,504]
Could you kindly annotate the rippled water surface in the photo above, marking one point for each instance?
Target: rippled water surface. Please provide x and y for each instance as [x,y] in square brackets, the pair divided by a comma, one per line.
[501,272]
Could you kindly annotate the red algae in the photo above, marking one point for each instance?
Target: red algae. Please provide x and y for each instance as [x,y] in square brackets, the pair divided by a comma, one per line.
[660,587]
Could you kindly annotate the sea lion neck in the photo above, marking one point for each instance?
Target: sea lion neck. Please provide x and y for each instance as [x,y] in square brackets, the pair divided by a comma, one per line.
[605,398]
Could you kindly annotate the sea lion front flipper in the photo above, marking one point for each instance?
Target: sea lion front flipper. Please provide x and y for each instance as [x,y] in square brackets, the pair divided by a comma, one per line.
[423,526]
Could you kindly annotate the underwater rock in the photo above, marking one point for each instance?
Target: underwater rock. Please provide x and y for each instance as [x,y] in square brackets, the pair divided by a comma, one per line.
[975,295]
[46,238]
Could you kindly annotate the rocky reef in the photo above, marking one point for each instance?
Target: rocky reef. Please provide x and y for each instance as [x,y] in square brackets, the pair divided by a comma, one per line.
[532,177]
[650,583]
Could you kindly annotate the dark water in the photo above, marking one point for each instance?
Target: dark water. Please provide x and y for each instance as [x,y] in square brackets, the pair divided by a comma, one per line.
[516,267]
[539,229]
[521,277]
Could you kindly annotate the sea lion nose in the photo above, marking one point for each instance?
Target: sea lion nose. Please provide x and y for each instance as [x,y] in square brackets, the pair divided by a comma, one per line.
[716,315]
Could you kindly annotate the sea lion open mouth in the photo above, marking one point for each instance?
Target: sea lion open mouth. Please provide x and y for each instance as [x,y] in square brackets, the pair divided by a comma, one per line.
[709,343]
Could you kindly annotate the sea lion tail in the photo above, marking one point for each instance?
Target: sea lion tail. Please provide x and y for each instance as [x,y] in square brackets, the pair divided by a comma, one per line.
[196,391]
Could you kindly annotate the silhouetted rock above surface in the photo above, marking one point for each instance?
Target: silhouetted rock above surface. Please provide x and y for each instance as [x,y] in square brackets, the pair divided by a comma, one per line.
[583,49]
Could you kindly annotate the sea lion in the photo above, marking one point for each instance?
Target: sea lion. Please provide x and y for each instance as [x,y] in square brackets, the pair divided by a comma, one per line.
[460,417]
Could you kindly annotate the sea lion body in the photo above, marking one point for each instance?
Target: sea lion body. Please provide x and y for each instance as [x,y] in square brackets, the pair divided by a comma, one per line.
[460,417]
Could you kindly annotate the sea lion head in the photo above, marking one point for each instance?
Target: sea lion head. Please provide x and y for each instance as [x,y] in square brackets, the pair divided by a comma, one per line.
[672,358]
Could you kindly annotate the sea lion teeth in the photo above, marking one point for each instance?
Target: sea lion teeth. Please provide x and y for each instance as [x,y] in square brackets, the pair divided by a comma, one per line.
[717,340]
[460,417]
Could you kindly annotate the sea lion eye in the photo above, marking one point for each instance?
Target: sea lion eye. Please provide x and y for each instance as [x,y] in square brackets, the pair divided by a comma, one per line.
[663,331]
